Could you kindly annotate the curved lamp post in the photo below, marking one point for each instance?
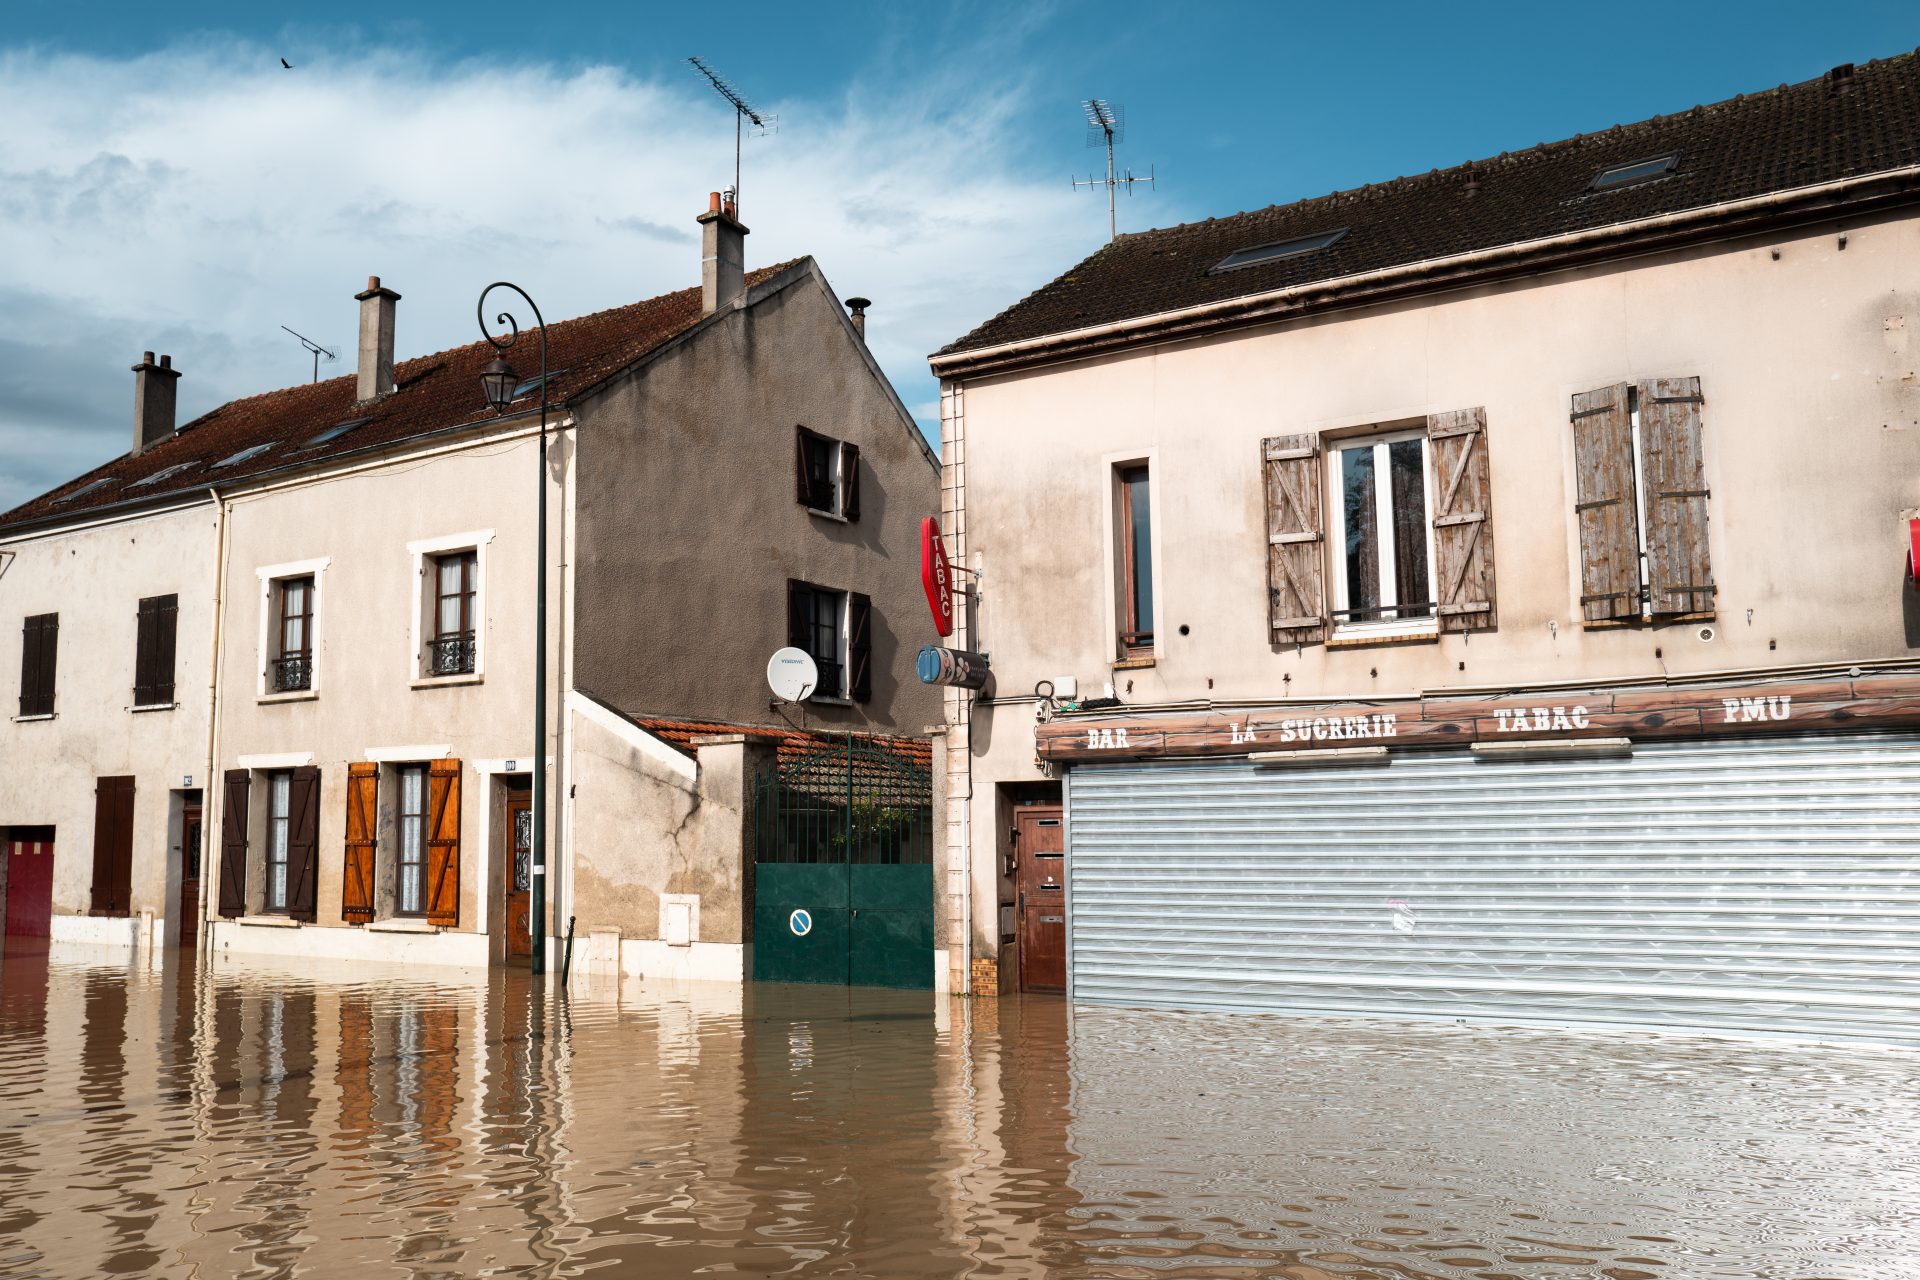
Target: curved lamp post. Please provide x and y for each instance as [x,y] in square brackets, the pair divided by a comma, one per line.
[499,382]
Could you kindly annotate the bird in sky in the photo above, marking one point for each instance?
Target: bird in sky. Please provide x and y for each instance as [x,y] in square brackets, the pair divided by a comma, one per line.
[286,64]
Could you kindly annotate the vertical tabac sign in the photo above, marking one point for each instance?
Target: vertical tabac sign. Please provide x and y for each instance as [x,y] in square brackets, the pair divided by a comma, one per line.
[936,576]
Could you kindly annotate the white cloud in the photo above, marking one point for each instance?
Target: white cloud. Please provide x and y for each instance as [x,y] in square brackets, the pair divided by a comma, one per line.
[175,203]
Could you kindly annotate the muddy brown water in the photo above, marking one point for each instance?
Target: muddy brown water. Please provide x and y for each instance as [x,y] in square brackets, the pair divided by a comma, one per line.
[231,1121]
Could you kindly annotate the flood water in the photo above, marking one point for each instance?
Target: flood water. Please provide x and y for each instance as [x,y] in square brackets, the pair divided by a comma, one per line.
[250,1122]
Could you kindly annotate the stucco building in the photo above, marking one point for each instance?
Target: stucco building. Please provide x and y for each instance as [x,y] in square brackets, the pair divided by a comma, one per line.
[1481,593]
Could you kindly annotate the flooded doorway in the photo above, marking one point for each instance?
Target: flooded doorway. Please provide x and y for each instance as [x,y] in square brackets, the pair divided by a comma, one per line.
[517,839]
[29,882]
[1040,886]
[189,900]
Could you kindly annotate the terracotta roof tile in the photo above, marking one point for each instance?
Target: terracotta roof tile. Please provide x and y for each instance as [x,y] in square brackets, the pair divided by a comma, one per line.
[792,743]
[434,393]
[1851,122]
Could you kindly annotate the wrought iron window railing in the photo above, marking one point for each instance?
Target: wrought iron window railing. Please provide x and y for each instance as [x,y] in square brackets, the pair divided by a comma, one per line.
[293,672]
[450,654]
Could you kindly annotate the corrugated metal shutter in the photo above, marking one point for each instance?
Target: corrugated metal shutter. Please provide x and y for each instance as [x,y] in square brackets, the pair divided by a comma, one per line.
[1758,885]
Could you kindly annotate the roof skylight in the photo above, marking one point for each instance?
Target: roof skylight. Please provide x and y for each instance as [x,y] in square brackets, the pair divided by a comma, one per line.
[162,474]
[1632,175]
[532,384]
[337,430]
[83,490]
[1274,252]
[234,460]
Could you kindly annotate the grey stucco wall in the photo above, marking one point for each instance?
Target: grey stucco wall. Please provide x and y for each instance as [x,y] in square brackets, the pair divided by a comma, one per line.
[689,530]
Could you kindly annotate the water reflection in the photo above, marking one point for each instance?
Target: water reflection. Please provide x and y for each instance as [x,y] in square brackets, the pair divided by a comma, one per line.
[248,1121]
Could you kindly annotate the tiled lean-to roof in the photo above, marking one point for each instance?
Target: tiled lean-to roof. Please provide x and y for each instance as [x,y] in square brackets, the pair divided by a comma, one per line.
[792,744]
[1851,122]
[310,424]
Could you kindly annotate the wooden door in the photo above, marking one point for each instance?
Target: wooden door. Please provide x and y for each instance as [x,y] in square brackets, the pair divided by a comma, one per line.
[113,847]
[29,901]
[1040,883]
[519,903]
[189,875]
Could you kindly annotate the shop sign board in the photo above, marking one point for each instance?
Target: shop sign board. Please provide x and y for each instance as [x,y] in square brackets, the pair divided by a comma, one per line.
[936,576]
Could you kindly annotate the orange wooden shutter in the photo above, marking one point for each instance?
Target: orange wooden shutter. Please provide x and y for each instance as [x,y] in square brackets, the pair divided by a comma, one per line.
[443,842]
[356,882]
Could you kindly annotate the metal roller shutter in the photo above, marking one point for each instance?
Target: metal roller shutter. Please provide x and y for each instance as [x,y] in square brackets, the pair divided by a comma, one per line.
[1759,885]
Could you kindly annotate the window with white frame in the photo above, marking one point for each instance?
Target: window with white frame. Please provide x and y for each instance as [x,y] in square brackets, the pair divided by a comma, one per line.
[1383,569]
[279,838]
[835,628]
[290,629]
[827,474]
[449,620]
[411,878]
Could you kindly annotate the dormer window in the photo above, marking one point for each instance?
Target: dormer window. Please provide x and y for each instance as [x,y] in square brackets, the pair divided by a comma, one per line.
[1632,175]
[1274,252]
[827,475]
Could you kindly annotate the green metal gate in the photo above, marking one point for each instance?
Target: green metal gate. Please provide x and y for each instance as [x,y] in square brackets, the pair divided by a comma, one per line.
[843,867]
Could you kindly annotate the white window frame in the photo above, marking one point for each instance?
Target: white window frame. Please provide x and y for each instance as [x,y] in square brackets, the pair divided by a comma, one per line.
[1643,564]
[1383,522]
[845,697]
[839,509]
[270,575]
[424,552]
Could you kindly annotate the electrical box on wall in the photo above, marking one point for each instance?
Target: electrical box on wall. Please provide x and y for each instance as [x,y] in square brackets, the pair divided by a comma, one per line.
[1065,688]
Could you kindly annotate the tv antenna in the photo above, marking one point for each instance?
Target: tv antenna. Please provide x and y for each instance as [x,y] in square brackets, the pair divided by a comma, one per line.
[1107,123]
[743,111]
[317,351]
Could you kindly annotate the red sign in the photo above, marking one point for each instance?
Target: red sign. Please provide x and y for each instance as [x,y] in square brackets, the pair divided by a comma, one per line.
[1913,554]
[936,576]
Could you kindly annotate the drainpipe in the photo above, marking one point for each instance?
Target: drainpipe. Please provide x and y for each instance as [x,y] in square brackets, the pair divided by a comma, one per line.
[208,792]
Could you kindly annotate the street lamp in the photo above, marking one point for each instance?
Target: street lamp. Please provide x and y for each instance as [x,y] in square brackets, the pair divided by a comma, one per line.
[498,382]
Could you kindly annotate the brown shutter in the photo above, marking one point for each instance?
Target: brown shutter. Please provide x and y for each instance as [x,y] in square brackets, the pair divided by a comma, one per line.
[1296,577]
[233,844]
[850,481]
[145,643]
[166,632]
[443,842]
[802,490]
[1603,506]
[112,846]
[1679,573]
[356,880]
[40,643]
[303,844]
[799,620]
[860,647]
[1462,519]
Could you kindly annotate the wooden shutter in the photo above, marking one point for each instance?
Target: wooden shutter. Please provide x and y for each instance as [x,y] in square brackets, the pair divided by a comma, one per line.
[1679,572]
[799,615]
[1462,519]
[859,647]
[233,844]
[356,879]
[303,844]
[166,634]
[112,846]
[1296,571]
[443,843]
[1604,506]
[850,481]
[40,643]
[146,641]
[802,487]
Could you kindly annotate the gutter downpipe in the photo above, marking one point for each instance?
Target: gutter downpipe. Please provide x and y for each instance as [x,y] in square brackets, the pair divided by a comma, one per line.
[205,924]
[954,365]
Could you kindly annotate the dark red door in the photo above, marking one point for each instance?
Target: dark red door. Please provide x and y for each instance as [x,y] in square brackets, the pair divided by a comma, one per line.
[519,874]
[190,875]
[29,883]
[1040,881]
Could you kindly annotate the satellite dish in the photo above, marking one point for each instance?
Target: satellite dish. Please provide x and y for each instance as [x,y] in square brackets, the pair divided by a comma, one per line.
[792,675]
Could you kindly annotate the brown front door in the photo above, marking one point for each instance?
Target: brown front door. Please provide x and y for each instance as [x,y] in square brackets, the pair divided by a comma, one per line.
[1040,882]
[519,874]
[189,875]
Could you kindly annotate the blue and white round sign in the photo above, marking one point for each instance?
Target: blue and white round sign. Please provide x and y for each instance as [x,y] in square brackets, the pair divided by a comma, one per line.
[800,922]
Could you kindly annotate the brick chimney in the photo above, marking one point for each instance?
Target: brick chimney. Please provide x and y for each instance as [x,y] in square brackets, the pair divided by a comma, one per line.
[153,401]
[857,312]
[376,340]
[723,254]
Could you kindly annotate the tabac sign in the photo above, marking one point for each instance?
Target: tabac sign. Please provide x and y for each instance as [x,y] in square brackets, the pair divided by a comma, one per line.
[936,576]
[1862,702]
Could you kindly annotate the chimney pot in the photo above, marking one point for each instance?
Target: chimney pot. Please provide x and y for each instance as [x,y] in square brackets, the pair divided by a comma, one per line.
[723,255]
[154,400]
[376,341]
[857,312]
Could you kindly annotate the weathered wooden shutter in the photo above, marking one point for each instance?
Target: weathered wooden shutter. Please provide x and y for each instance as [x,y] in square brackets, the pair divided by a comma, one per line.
[303,844]
[49,660]
[166,635]
[356,879]
[1296,570]
[112,846]
[40,642]
[145,644]
[1462,519]
[1679,571]
[802,485]
[859,647]
[233,843]
[1604,506]
[799,616]
[443,843]
[850,481]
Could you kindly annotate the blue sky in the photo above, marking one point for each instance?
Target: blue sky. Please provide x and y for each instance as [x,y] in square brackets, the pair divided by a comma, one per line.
[164,184]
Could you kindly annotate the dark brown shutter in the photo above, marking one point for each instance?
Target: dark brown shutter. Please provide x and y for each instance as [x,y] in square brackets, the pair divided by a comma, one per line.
[40,643]
[860,647]
[1296,571]
[802,487]
[443,843]
[166,633]
[1462,519]
[356,879]
[145,643]
[850,481]
[1679,572]
[799,616]
[112,846]
[1603,506]
[303,843]
[233,844]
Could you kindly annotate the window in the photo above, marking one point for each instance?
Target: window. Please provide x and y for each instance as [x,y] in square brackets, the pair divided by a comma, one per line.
[40,643]
[335,431]
[835,629]
[83,491]
[1274,252]
[1382,557]
[827,475]
[1632,175]
[1135,527]
[235,459]
[411,899]
[451,650]
[292,666]
[153,651]
[279,841]
[165,473]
